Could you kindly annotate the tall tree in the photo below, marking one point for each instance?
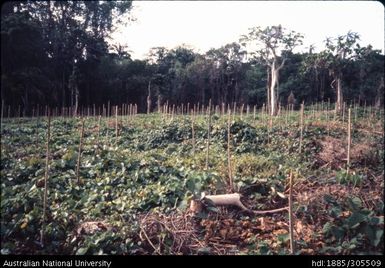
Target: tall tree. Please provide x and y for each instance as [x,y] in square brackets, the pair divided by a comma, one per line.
[272,46]
[73,32]
[369,75]
[339,52]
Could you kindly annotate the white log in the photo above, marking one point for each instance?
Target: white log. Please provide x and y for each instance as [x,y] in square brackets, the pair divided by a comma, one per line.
[235,200]
[226,200]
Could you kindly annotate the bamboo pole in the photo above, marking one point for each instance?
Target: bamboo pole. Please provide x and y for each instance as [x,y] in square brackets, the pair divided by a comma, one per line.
[116,123]
[208,135]
[262,112]
[291,220]
[327,120]
[228,149]
[80,152]
[349,141]
[301,128]
[192,130]
[45,181]
[254,113]
[97,139]
[234,110]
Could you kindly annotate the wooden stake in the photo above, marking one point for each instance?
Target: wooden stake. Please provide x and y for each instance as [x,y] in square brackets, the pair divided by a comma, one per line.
[80,152]
[234,110]
[291,220]
[97,139]
[228,149]
[262,112]
[208,135]
[349,141]
[45,181]
[301,128]
[328,121]
[192,131]
[116,123]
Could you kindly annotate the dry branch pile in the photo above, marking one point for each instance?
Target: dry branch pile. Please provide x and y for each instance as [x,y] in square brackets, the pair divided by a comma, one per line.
[334,153]
[219,234]
[176,233]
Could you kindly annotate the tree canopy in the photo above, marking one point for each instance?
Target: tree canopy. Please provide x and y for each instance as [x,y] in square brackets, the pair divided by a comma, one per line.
[56,53]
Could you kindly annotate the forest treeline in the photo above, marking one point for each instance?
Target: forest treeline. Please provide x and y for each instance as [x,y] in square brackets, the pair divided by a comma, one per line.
[56,53]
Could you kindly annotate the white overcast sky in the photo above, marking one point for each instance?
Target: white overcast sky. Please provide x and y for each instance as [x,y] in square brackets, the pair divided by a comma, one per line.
[211,24]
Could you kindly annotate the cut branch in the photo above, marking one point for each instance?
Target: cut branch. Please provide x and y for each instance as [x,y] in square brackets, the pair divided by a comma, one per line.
[235,200]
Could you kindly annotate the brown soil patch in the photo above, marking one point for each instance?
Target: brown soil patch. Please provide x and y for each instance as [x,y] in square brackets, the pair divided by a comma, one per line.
[112,124]
[334,153]
[91,227]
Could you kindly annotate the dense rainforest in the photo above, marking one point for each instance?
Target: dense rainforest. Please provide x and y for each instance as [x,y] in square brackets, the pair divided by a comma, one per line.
[58,54]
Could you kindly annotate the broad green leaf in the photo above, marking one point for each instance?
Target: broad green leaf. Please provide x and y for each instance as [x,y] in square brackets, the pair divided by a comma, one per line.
[379,234]
[81,251]
[355,219]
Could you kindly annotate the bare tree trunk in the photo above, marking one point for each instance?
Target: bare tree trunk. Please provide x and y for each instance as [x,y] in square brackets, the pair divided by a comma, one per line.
[268,90]
[63,90]
[340,100]
[159,104]
[76,100]
[336,84]
[380,92]
[149,98]
[273,96]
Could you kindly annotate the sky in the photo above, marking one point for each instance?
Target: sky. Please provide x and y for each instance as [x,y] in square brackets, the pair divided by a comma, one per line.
[202,25]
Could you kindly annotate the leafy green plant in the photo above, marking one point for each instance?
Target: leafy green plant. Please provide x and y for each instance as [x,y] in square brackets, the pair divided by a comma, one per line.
[349,178]
[362,227]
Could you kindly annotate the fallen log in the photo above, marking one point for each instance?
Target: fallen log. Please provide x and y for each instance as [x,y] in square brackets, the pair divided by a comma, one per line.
[229,200]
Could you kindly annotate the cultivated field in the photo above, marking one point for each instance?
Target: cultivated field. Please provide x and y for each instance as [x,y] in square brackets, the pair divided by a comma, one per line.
[129,190]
